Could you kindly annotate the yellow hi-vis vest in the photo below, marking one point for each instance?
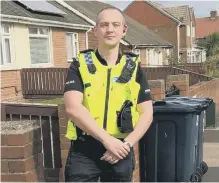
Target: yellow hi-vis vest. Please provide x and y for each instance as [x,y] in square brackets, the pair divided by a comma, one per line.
[103,96]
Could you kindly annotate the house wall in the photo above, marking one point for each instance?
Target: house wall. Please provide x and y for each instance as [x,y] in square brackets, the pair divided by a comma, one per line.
[92,41]
[21,46]
[143,56]
[184,40]
[20,49]
[59,48]
[169,33]
[145,59]
[10,85]
[155,21]
[147,15]
[59,45]
[10,75]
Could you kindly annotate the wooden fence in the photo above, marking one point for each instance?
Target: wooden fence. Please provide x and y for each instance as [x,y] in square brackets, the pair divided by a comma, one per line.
[48,117]
[43,81]
[51,81]
[154,73]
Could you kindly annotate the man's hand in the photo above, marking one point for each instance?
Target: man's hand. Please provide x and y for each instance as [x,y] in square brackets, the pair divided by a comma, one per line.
[116,147]
[107,156]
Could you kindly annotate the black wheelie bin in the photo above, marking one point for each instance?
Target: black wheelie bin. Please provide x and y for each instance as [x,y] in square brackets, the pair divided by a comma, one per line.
[201,104]
[168,151]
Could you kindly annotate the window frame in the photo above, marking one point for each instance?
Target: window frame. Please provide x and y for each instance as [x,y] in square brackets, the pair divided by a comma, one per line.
[4,36]
[45,36]
[73,43]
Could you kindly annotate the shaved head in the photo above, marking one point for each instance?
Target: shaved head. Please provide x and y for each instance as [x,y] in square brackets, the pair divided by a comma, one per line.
[110,8]
[110,27]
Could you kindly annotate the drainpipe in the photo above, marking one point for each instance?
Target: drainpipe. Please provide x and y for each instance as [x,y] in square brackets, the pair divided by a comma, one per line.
[178,40]
[86,37]
[191,42]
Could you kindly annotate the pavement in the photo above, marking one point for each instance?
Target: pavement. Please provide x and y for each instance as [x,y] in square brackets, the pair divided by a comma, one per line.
[211,155]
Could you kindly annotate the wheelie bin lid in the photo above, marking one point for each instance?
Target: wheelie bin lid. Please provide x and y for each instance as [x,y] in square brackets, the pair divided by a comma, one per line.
[162,106]
[201,103]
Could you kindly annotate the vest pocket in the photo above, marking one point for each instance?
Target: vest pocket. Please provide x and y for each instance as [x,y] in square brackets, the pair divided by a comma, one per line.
[124,119]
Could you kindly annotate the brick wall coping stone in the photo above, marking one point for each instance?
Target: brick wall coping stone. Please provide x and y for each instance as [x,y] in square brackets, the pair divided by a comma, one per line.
[27,103]
[18,127]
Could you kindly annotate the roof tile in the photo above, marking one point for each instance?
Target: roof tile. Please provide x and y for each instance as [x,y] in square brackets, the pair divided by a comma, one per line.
[206,26]
[137,34]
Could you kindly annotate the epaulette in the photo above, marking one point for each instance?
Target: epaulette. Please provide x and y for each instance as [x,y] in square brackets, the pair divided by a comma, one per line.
[131,54]
[87,50]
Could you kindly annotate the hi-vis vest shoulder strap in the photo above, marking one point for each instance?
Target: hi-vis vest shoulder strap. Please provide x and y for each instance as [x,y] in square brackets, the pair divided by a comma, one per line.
[106,88]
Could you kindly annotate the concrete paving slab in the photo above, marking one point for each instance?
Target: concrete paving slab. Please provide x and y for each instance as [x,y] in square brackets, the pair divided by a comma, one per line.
[211,155]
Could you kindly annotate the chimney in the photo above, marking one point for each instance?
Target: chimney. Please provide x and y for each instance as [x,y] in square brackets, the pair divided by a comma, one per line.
[213,15]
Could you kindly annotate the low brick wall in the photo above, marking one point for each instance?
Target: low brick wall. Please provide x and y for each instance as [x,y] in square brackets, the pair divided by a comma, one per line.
[157,89]
[10,85]
[21,152]
[180,81]
[207,89]
[64,142]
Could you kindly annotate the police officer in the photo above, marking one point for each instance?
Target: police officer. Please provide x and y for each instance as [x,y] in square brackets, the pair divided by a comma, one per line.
[109,105]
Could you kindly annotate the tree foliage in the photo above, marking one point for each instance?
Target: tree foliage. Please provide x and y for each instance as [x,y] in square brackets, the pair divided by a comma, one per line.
[211,44]
[212,66]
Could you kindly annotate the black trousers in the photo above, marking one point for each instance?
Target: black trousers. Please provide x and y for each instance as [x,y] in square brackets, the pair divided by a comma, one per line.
[83,164]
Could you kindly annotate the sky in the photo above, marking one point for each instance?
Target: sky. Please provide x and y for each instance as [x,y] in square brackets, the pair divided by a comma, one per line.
[201,8]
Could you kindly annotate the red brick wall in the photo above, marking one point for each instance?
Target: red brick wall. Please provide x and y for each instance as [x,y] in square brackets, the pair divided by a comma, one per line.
[59,46]
[157,89]
[147,15]
[21,155]
[180,81]
[82,40]
[207,89]
[92,40]
[10,82]
[184,40]
[203,89]
[157,22]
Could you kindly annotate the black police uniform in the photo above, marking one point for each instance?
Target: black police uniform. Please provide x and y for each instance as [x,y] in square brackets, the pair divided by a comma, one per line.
[83,162]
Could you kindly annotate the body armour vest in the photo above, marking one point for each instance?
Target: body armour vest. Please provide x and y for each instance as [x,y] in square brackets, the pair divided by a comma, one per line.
[106,91]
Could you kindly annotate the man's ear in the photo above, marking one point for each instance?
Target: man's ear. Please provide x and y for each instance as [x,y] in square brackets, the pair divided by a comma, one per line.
[94,30]
[125,29]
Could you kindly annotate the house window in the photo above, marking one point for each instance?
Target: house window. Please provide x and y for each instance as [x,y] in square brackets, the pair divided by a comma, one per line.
[5,44]
[188,30]
[148,56]
[72,45]
[168,52]
[39,45]
[160,58]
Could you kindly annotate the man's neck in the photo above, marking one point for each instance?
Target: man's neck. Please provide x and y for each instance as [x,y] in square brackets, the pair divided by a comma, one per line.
[110,55]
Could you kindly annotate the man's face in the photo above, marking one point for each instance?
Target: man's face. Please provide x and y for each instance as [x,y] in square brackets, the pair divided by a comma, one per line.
[110,28]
